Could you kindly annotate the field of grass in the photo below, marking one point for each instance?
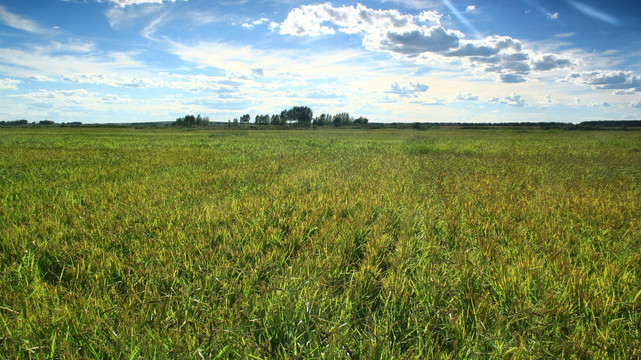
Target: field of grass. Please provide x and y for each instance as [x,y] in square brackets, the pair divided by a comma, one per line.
[356,244]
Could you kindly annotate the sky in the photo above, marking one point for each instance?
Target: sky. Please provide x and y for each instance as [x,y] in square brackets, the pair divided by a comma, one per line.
[116,61]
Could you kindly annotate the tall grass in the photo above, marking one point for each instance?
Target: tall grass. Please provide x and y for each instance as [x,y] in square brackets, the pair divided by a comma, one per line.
[362,244]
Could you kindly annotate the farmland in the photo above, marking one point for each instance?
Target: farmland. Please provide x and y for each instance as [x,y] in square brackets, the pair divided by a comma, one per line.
[351,243]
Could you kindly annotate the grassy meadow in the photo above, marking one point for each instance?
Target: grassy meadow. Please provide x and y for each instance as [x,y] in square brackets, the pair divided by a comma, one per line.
[352,243]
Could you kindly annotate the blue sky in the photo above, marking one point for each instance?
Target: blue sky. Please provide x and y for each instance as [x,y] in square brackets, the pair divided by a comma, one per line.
[100,61]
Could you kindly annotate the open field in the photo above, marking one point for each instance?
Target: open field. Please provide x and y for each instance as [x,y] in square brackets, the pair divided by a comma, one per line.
[362,244]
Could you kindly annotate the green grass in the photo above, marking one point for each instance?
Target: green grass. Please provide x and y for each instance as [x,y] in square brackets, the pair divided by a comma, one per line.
[362,244]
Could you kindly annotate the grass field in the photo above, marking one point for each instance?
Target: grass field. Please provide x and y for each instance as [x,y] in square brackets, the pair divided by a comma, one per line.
[361,244]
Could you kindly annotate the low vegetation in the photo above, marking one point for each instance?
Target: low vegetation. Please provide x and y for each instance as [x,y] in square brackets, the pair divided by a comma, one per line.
[362,244]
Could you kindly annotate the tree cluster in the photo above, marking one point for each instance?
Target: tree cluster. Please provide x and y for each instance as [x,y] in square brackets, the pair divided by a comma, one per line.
[15,122]
[304,116]
[26,122]
[340,119]
[191,120]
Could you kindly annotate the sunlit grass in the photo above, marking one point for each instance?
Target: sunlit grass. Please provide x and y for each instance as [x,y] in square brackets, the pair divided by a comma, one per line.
[125,243]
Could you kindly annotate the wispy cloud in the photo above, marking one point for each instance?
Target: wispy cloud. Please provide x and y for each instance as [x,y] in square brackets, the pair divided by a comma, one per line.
[19,22]
[467,97]
[417,4]
[9,84]
[124,17]
[124,3]
[594,13]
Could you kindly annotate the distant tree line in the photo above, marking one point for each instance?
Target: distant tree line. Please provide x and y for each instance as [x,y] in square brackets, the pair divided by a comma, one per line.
[26,122]
[191,120]
[302,116]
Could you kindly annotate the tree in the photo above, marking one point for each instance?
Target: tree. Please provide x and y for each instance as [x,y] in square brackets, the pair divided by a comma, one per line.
[245,119]
[361,121]
[262,119]
[191,120]
[276,120]
[341,119]
[301,114]
[323,119]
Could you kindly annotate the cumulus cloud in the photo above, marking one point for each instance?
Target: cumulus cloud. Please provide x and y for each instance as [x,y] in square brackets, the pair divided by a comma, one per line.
[433,40]
[512,78]
[252,24]
[514,100]
[550,62]
[485,48]
[512,63]
[431,102]
[466,97]
[8,84]
[608,79]
[420,37]
[321,19]
[636,104]
[39,77]
[18,22]
[624,92]
[411,90]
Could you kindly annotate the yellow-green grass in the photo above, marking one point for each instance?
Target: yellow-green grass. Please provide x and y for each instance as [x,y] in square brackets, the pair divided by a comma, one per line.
[362,244]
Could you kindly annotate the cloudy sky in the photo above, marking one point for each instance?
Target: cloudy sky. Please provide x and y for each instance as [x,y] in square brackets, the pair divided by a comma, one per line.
[388,60]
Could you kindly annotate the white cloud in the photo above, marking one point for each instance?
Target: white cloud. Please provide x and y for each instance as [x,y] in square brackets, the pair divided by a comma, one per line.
[9,84]
[18,22]
[417,4]
[421,37]
[69,61]
[471,9]
[624,92]
[124,3]
[636,104]
[411,90]
[550,61]
[484,50]
[252,24]
[430,17]
[608,79]
[553,16]
[467,97]
[39,77]
[123,18]
[514,100]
